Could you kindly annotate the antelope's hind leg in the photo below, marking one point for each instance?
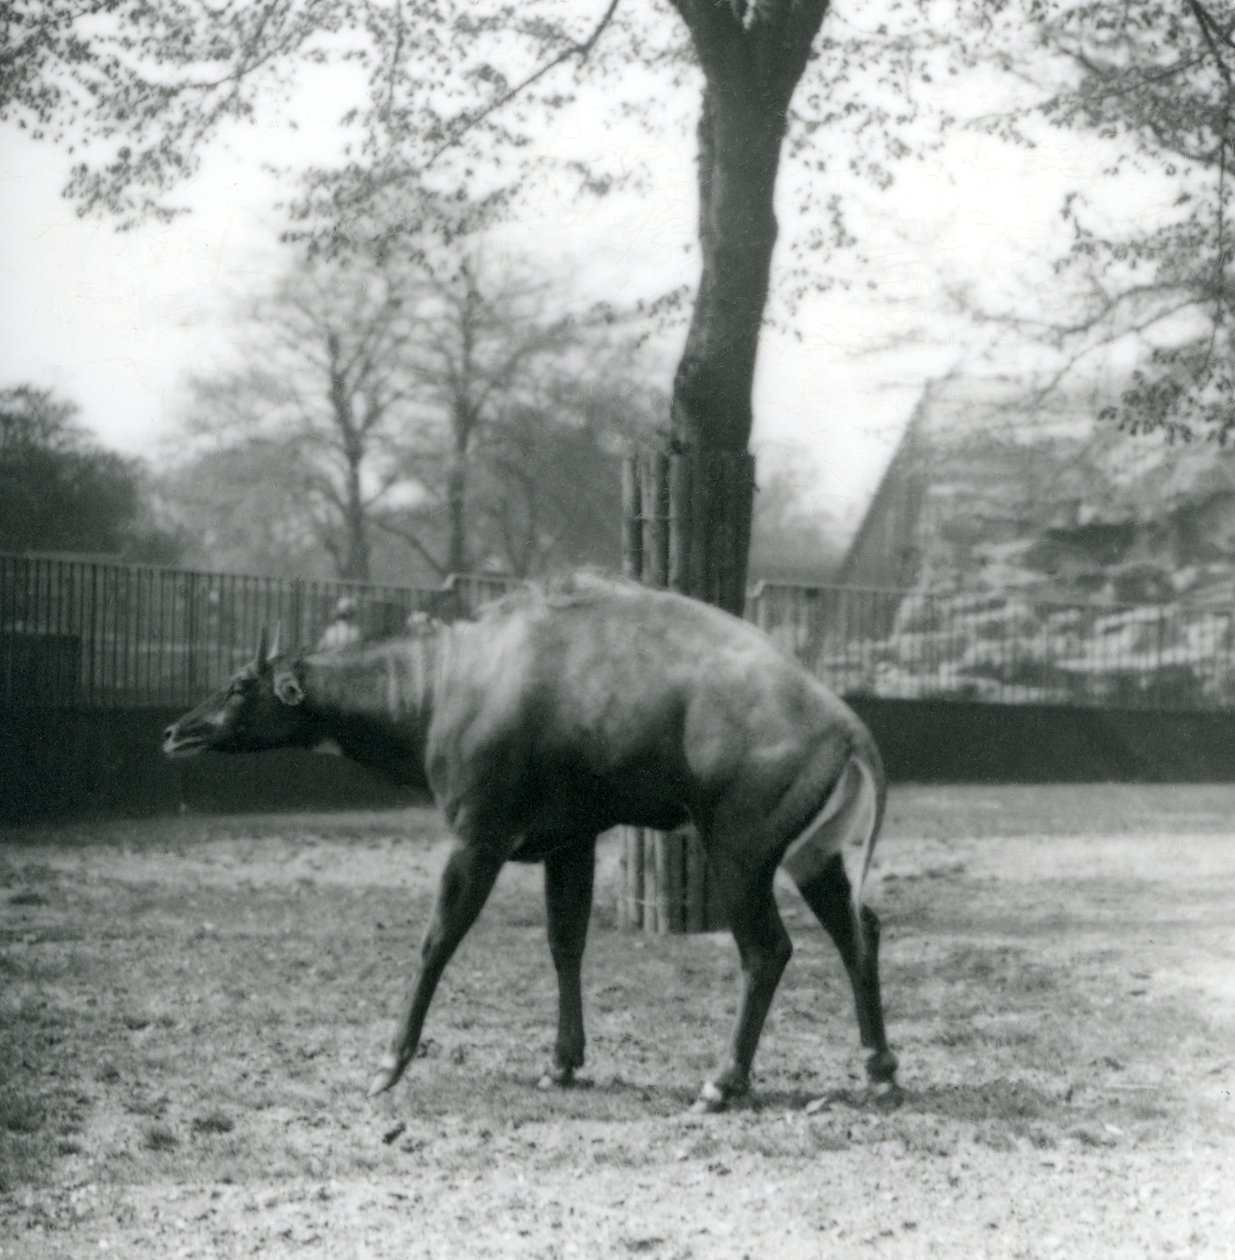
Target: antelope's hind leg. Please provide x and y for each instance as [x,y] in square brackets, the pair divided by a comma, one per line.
[829,894]
[764,949]
[569,874]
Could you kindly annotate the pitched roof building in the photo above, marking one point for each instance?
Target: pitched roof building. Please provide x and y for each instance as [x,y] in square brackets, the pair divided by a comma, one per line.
[986,492]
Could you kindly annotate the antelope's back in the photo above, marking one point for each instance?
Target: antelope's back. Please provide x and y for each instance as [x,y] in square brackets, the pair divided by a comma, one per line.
[576,709]
[629,673]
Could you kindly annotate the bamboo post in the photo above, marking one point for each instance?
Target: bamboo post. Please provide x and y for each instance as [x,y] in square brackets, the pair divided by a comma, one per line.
[659,908]
[655,484]
[694,892]
[630,901]
[632,520]
[681,553]
[686,526]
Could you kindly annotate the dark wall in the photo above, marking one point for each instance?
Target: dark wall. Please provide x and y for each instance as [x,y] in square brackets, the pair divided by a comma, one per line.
[59,763]
[64,762]
[966,742]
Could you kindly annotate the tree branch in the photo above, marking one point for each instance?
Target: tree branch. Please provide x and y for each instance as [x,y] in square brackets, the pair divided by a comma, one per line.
[407,536]
[579,51]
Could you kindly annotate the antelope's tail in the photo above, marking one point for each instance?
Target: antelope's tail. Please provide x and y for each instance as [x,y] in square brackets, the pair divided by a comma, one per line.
[852,814]
[867,820]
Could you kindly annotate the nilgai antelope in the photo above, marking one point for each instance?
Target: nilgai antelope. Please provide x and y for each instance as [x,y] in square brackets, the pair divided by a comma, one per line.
[563,711]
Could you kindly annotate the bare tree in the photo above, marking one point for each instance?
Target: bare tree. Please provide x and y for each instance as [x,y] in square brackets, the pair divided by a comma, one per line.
[478,337]
[149,86]
[458,95]
[378,399]
[548,485]
[1153,84]
[1161,78]
[60,491]
[243,507]
[322,377]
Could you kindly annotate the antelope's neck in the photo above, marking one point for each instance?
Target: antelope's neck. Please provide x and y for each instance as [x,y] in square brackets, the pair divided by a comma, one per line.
[376,702]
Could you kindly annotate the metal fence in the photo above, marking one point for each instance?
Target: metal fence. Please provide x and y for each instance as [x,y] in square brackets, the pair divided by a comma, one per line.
[89,634]
[1004,648]
[86,634]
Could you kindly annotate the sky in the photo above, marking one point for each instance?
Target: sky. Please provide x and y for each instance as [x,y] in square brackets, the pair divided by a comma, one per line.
[118,322]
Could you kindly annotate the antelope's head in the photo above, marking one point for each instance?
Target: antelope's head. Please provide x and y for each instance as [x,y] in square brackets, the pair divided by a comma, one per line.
[260,708]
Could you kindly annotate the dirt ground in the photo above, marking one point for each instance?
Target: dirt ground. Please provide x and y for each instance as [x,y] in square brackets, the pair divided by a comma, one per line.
[189,1009]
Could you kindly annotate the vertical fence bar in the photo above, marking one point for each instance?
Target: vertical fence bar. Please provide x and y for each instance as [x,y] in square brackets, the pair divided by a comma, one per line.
[190,633]
[128,654]
[140,636]
[58,673]
[8,631]
[95,635]
[295,615]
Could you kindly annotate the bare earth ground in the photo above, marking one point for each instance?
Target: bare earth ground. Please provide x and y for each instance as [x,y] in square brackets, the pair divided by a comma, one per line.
[189,1009]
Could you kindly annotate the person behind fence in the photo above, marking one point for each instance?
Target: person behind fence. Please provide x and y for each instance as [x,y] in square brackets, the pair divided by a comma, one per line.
[420,622]
[343,630]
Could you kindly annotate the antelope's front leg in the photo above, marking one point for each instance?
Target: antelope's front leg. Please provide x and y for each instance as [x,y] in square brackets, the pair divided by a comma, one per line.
[569,875]
[465,885]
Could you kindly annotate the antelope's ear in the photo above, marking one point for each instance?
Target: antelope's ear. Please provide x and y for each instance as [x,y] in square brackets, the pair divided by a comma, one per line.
[287,688]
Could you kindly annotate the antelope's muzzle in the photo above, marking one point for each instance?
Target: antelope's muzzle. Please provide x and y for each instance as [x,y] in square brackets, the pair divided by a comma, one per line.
[177,746]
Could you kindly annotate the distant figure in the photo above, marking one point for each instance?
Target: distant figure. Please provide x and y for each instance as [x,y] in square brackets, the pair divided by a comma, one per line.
[343,630]
[420,622]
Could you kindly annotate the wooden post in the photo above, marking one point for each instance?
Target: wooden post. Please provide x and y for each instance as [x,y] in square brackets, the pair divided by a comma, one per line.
[686,526]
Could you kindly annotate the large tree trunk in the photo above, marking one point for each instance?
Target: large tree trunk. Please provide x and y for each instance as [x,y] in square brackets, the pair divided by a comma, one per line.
[464,419]
[457,557]
[688,517]
[356,562]
[739,152]
[355,565]
[752,53]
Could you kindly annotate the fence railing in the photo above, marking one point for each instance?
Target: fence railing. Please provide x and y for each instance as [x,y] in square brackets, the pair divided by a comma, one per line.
[87,634]
[1004,647]
[84,633]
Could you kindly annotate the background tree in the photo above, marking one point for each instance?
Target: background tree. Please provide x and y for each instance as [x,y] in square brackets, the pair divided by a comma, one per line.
[1159,79]
[321,382]
[59,491]
[792,541]
[548,484]
[462,98]
[481,336]
[1139,303]
[446,84]
[421,414]
[244,508]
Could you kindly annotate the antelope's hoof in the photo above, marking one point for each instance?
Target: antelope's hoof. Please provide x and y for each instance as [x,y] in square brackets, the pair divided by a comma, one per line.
[881,1068]
[386,1075]
[557,1078]
[885,1095]
[714,1098]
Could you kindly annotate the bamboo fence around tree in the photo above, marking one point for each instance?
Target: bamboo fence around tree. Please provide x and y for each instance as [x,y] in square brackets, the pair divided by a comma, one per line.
[686,527]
